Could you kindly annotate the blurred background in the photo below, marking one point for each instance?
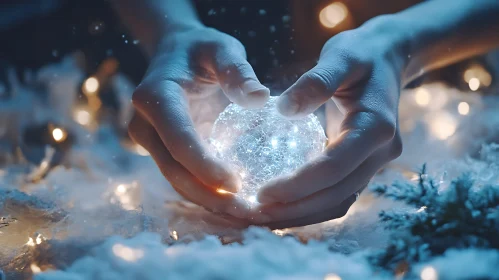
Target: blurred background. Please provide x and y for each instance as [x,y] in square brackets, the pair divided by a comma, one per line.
[73,62]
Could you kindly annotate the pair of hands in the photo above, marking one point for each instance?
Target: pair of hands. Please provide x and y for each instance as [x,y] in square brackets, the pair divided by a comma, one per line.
[359,70]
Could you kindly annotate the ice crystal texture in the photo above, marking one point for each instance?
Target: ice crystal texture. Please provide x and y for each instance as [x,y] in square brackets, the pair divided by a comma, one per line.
[260,144]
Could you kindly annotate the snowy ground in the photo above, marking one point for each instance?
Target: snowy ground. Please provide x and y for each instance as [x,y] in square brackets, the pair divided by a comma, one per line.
[86,213]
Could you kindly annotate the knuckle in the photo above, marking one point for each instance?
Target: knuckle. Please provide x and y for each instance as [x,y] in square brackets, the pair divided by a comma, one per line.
[319,80]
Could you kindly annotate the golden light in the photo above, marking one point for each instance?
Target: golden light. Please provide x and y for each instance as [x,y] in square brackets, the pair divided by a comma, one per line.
[332,276]
[59,134]
[333,14]
[443,126]
[479,72]
[91,86]
[39,239]
[126,253]
[222,191]
[422,97]
[35,268]
[429,273]
[474,84]
[82,116]
[463,108]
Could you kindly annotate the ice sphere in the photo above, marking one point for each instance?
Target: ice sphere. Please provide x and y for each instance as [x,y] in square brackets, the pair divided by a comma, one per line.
[261,144]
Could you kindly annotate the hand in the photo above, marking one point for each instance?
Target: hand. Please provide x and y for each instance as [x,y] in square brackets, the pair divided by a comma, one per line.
[193,62]
[360,71]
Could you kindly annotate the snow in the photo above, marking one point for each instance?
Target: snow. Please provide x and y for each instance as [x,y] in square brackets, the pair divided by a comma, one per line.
[137,227]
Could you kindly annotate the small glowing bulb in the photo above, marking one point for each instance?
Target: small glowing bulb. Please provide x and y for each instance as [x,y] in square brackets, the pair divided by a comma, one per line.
[463,108]
[474,84]
[422,97]
[292,144]
[332,276]
[174,235]
[90,86]
[58,134]
[278,232]
[121,188]
[429,273]
[82,117]
[333,14]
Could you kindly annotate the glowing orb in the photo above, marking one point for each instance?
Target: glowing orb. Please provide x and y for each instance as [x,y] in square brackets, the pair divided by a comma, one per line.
[260,144]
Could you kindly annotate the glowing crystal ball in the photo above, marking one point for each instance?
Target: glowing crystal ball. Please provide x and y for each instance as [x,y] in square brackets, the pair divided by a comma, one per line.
[261,144]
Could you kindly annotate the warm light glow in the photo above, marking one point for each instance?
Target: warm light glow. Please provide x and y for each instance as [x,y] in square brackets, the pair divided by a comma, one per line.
[474,84]
[58,134]
[278,232]
[90,86]
[332,276]
[429,273]
[479,72]
[30,242]
[463,108]
[422,97]
[443,126]
[35,268]
[222,191]
[333,14]
[121,188]
[174,235]
[39,239]
[82,117]
[127,253]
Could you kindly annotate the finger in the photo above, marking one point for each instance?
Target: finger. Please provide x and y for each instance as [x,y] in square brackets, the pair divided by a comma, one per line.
[323,216]
[181,180]
[316,86]
[363,133]
[237,78]
[164,106]
[320,201]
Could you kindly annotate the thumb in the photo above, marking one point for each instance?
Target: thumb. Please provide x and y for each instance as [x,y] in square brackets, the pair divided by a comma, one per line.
[311,90]
[238,80]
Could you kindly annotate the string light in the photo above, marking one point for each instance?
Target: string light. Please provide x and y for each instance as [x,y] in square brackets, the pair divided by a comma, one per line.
[429,273]
[333,14]
[91,86]
[474,84]
[421,209]
[477,71]
[59,134]
[174,235]
[30,242]
[463,108]
[422,97]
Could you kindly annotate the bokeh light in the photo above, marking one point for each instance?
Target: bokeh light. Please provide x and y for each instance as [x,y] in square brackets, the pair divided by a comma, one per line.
[91,86]
[333,14]
[422,97]
[463,108]
[59,134]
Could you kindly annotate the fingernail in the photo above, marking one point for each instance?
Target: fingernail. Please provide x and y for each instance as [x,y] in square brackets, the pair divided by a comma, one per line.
[251,86]
[286,106]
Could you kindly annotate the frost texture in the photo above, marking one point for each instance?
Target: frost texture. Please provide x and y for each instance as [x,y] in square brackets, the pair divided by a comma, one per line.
[261,144]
